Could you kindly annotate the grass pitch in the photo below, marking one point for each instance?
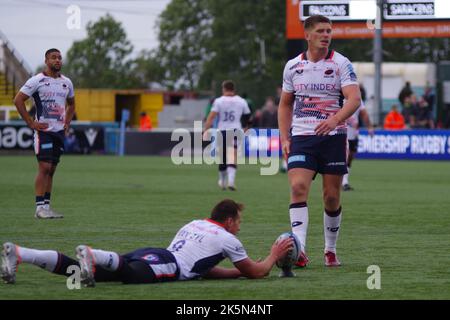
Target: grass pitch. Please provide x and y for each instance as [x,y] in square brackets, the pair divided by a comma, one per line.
[398,218]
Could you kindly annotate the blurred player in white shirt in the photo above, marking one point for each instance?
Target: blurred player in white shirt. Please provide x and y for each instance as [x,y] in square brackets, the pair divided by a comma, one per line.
[352,137]
[229,109]
[311,119]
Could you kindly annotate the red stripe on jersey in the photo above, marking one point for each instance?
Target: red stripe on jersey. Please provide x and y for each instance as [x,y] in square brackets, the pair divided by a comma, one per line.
[166,275]
[331,55]
[215,222]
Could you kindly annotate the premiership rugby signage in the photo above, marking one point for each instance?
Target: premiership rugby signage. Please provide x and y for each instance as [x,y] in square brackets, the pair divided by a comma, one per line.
[407,144]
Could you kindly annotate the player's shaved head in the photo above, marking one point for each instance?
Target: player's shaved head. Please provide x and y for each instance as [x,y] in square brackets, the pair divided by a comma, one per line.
[313,20]
[226,209]
[49,51]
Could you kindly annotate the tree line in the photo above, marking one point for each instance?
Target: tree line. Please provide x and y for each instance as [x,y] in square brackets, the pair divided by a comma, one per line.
[202,42]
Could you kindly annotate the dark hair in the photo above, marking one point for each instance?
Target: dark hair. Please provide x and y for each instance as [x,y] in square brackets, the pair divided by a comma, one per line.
[225,209]
[51,51]
[228,85]
[315,19]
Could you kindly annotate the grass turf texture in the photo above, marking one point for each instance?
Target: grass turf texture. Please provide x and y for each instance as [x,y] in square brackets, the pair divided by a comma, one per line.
[398,218]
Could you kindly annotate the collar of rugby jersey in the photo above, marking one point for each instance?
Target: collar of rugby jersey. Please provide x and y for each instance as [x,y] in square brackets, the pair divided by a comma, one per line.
[215,222]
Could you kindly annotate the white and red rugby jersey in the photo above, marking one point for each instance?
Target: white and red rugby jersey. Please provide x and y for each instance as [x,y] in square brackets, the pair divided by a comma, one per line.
[317,89]
[50,95]
[202,244]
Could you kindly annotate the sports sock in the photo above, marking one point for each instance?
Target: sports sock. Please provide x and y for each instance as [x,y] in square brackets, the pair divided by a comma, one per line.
[108,260]
[331,225]
[284,164]
[298,213]
[345,179]
[45,259]
[223,176]
[231,172]
[40,202]
[47,196]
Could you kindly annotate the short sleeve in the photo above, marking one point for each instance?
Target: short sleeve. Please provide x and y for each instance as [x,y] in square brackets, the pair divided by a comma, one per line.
[234,250]
[348,75]
[215,106]
[246,107]
[288,85]
[71,90]
[30,87]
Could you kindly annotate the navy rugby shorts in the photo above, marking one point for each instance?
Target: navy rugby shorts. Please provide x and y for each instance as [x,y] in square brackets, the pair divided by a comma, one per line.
[48,146]
[322,154]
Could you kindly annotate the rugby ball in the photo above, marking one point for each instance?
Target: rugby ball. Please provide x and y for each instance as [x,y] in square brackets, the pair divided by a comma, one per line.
[292,255]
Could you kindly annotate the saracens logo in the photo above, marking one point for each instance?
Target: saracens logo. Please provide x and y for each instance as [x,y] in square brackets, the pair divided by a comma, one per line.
[151,257]
[329,73]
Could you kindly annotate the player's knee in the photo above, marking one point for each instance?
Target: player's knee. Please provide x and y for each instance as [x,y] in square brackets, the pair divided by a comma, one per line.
[331,201]
[299,190]
[45,170]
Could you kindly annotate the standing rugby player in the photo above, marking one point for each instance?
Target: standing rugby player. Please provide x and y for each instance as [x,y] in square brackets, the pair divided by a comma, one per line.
[54,99]
[311,118]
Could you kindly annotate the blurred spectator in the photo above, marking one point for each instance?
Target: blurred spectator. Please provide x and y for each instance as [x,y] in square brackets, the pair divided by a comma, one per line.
[269,114]
[145,122]
[409,107]
[423,118]
[278,97]
[394,120]
[405,93]
[429,97]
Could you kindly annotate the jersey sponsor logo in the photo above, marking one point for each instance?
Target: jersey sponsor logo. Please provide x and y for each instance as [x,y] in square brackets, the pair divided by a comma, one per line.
[151,257]
[329,72]
[297,158]
[299,71]
[296,224]
[315,87]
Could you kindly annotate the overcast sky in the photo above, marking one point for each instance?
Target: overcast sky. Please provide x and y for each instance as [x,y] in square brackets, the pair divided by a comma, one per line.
[33,26]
